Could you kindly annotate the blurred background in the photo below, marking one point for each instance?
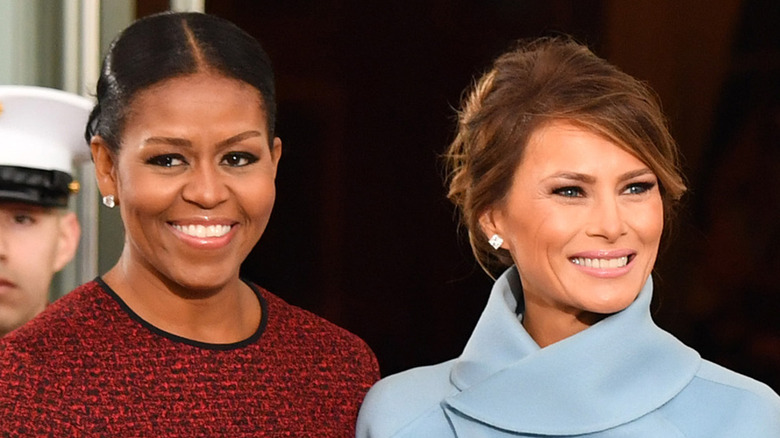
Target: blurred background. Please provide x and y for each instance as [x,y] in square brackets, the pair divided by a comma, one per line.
[362,233]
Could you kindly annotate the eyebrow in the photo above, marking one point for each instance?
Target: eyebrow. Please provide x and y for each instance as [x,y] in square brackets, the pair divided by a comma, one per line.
[183,142]
[240,137]
[590,179]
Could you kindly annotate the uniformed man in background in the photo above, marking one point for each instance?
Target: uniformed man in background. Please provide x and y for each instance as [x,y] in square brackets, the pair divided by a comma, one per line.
[41,134]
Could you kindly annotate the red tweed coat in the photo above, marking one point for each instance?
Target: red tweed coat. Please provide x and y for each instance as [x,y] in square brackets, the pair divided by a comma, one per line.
[89,366]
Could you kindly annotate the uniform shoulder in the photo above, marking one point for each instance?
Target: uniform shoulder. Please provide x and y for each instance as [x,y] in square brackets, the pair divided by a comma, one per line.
[399,399]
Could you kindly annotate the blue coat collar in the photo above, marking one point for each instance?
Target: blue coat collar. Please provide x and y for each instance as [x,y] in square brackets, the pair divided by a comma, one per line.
[612,373]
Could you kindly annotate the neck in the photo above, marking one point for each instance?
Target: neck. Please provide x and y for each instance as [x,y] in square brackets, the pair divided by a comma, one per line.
[548,327]
[220,315]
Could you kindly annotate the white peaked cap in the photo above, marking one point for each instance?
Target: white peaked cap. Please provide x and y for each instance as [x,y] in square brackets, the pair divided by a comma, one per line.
[42,128]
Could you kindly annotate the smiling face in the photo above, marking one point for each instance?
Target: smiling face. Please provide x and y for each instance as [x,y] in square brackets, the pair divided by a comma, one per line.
[582,220]
[194,180]
[35,242]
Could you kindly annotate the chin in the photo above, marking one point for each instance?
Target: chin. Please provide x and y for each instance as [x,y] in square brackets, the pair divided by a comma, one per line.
[610,308]
[201,283]
[611,301]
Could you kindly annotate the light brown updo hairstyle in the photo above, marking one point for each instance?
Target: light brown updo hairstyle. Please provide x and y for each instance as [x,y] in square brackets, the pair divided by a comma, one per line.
[537,82]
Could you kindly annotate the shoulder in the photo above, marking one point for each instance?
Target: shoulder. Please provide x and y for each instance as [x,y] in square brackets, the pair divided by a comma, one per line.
[66,317]
[735,387]
[736,382]
[293,319]
[35,357]
[733,404]
[61,327]
[398,400]
[307,334]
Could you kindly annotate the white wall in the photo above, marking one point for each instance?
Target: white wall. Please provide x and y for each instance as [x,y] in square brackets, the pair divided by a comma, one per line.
[41,44]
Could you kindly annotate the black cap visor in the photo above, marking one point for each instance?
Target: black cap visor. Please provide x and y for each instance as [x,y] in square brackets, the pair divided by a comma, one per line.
[48,188]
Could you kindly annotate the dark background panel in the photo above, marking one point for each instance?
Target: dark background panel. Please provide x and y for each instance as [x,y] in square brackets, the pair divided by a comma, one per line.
[362,233]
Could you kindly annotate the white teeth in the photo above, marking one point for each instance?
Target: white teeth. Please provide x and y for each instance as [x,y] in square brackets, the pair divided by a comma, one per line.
[601,263]
[203,231]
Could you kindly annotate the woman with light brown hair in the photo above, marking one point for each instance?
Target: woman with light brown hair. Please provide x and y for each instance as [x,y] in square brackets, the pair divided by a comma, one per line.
[566,175]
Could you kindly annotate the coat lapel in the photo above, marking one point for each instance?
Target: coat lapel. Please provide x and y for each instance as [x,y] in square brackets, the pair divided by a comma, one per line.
[649,426]
[611,374]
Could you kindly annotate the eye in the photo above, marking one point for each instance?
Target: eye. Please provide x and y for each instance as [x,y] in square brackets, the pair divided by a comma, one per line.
[239,159]
[639,188]
[569,192]
[23,219]
[167,160]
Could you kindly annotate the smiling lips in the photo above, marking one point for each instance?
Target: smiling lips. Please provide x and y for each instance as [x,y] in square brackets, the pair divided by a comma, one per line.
[618,262]
[202,231]
[609,263]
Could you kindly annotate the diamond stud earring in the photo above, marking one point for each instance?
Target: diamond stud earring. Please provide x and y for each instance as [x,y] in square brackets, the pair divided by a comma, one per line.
[495,241]
[108,201]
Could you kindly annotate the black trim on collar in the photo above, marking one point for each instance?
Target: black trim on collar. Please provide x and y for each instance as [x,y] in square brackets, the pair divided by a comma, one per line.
[182,340]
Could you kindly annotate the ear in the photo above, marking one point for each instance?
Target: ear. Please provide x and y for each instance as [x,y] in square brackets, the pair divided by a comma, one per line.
[67,240]
[491,222]
[105,174]
[276,153]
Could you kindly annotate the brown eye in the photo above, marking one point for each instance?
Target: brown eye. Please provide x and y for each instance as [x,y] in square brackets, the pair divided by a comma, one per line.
[168,160]
[239,159]
[23,219]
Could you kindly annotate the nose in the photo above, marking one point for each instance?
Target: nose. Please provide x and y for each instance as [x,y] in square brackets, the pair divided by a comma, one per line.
[206,186]
[607,220]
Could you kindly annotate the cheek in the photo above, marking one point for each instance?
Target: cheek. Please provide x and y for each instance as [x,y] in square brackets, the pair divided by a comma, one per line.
[257,198]
[649,222]
[144,195]
[537,236]
[38,252]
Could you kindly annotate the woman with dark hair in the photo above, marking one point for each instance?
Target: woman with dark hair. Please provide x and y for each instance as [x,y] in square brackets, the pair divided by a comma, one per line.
[564,171]
[171,341]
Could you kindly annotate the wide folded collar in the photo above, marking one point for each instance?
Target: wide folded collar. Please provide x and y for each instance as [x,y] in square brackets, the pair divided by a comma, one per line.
[614,372]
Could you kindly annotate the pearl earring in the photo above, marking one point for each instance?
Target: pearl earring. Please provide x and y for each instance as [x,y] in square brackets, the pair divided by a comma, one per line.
[108,201]
[495,241]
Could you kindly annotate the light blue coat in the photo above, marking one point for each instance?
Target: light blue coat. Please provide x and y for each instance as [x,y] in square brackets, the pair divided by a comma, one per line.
[622,377]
